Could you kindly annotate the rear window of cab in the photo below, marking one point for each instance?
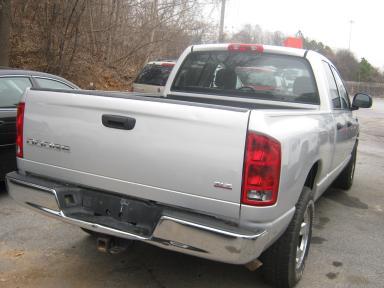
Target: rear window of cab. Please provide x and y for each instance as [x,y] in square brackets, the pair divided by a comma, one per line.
[248,75]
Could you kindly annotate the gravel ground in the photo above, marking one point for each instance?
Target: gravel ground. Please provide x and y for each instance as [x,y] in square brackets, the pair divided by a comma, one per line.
[347,247]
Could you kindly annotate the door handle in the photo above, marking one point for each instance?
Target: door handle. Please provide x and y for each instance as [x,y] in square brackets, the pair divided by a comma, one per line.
[339,126]
[118,122]
[349,124]
[2,122]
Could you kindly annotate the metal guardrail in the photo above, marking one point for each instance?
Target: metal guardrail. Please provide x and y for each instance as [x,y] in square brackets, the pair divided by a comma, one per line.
[373,89]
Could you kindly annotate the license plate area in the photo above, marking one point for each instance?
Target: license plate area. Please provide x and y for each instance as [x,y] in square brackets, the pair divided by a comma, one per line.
[110,210]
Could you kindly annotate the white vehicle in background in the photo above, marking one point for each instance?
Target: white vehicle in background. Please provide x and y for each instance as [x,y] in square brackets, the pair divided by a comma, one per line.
[261,78]
[290,75]
[153,77]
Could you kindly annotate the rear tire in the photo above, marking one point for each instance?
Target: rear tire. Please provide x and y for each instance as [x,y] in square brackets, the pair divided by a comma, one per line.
[284,261]
[345,179]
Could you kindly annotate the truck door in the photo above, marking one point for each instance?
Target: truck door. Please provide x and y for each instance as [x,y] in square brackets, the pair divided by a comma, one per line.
[340,123]
[350,128]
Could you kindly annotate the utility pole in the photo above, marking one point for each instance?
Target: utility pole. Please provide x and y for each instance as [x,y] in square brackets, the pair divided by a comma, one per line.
[221,30]
[350,34]
[154,22]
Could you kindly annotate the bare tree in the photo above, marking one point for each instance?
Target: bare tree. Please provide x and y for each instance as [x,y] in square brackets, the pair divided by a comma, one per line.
[5,12]
[76,38]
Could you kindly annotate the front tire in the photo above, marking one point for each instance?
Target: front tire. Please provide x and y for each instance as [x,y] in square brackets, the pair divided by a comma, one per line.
[284,261]
[345,179]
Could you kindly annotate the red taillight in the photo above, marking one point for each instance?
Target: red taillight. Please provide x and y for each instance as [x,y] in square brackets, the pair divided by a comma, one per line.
[246,47]
[19,129]
[261,173]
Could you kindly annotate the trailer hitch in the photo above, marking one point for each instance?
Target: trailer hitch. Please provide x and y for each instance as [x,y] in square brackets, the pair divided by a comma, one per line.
[112,245]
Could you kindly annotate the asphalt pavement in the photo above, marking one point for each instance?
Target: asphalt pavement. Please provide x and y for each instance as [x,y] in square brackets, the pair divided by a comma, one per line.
[347,247]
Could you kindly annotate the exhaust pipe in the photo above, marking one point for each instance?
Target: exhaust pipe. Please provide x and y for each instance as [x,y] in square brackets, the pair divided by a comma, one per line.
[254,265]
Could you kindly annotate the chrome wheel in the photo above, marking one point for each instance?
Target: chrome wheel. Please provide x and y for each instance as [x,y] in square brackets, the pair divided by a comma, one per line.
[304,233]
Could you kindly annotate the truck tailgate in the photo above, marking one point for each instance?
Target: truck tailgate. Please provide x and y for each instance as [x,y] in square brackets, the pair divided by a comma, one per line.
[174,154]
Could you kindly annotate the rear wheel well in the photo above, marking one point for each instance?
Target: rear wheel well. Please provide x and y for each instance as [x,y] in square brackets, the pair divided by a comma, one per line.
[311,177]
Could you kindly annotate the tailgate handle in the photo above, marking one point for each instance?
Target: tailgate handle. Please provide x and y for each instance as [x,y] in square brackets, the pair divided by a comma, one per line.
[118,122]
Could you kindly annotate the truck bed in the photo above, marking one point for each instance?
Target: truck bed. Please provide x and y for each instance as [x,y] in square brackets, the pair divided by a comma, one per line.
[174,154]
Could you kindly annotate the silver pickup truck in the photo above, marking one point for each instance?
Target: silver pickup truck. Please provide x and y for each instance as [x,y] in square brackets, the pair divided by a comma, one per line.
[226,166]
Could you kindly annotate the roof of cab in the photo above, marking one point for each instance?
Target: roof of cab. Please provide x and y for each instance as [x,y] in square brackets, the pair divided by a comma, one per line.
[266,49]
[162,62]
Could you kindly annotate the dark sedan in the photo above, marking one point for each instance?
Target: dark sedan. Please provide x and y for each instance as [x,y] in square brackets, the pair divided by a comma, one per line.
[13,83]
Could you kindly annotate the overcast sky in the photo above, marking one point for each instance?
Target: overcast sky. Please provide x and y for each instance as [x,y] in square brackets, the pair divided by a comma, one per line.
[326,20]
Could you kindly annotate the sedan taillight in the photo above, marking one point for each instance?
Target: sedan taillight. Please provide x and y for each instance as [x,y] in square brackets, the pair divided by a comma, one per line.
[19,129]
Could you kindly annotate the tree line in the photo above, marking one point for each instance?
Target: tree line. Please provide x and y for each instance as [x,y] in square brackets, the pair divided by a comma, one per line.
[349,66]
[64,37]
[84,40]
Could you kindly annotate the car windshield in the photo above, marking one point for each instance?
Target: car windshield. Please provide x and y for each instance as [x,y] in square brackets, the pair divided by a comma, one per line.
[248,75]
[153,74]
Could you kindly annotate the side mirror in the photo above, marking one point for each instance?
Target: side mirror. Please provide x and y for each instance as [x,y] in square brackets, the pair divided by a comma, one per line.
[361,100]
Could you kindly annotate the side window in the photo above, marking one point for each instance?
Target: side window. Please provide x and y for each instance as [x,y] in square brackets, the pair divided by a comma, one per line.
[51,84]
[333,93]
[342,91]
[11,90]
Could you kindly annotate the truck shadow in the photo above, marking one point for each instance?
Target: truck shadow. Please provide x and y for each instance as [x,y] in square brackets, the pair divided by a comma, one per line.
[342,197]
[148,265]
[3,190]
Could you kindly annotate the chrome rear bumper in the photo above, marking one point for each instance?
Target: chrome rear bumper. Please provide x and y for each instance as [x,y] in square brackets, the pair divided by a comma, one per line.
[192,234]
